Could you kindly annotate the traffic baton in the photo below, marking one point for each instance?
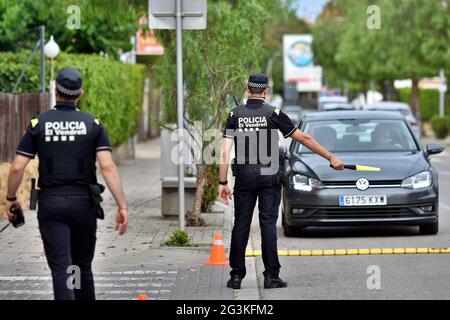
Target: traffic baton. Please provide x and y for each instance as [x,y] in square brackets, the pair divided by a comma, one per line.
[358,167]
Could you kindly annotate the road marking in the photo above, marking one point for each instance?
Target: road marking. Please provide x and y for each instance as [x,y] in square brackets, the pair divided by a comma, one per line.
[351,252]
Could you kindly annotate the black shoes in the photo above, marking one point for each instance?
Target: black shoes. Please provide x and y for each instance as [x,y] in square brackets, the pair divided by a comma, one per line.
[234,282]
[271,283]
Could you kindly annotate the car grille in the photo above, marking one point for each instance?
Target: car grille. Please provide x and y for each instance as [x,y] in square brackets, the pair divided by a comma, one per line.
[364,213]
[373,184]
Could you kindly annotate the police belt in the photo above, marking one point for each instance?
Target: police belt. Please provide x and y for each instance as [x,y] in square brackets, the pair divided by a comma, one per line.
[63,191]
[256,168]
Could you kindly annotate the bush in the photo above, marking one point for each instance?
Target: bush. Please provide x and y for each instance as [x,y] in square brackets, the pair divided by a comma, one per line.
[179,239]
[429,102]
[211,187]
[113,90]
[440,126]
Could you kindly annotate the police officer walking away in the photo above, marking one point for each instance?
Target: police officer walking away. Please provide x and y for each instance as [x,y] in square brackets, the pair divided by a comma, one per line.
[251,128]
[68,141]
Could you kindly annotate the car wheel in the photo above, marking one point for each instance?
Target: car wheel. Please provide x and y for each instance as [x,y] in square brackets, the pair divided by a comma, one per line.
[429,228]
[288,231]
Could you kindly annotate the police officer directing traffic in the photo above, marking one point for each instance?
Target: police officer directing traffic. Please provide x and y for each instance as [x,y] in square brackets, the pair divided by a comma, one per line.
[253,128]
[68,142]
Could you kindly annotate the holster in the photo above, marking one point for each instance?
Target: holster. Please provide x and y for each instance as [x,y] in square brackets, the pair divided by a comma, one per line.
[95,193]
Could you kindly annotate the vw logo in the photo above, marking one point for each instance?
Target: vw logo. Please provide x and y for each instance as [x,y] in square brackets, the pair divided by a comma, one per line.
[362,184]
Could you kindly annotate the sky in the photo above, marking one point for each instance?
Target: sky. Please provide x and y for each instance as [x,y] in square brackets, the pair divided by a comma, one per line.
[309,8]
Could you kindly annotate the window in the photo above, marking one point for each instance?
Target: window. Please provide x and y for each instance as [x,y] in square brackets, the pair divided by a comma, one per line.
[360,135]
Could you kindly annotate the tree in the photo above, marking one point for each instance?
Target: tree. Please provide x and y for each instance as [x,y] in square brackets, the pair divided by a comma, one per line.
[100,30]
[217,62]
[418,39]
[412,42]
[327,32]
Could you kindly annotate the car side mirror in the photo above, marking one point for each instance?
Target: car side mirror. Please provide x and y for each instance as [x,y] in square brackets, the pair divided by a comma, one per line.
[434,148]
[284,153]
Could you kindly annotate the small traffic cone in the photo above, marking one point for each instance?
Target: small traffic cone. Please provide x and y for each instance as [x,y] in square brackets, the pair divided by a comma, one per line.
[142,296]
[217,257]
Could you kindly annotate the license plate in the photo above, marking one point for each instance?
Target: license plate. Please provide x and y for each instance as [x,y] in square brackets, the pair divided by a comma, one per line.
[365,200]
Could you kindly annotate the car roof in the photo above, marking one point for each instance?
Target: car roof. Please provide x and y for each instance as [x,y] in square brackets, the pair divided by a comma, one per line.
[388,105]
[291,106]
[333,99]
[352,114]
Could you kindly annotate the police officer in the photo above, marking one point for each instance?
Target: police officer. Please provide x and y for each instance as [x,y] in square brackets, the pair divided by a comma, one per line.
[68,141]
[253,130]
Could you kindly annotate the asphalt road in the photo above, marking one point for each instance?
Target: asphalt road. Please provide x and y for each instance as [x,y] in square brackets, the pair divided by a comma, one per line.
[346,277]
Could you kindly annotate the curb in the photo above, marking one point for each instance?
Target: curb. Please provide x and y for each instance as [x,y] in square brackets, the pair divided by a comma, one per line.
[352,252]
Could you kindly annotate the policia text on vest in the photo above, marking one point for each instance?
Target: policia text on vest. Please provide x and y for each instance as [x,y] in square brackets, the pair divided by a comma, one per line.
[252,128]
[68,142]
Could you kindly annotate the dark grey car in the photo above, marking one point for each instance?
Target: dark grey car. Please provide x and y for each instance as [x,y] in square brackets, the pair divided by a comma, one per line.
[403,192]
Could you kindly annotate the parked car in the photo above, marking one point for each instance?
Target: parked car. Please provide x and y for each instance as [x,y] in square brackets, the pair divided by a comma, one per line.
[324,100]
[332,106]
[403,192]
[294,112]
[401,107]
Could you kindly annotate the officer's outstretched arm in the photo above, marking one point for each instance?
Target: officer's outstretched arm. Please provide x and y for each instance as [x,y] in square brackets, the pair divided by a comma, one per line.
[112,178]
[311,143]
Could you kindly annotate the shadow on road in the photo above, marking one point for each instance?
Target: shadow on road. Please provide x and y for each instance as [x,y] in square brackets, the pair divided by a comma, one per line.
[353,232]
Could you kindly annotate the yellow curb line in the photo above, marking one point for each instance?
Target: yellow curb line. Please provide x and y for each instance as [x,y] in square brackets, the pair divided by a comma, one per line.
[351,252]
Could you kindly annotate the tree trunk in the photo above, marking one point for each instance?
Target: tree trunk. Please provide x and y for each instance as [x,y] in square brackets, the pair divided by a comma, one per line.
[197,210]
[395,95]
[383,90]
[415,102]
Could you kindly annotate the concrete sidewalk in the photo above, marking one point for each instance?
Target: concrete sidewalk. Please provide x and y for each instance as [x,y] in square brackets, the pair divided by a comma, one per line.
[125,266]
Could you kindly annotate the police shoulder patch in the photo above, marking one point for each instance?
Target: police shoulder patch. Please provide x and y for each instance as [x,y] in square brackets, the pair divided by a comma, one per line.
[277,111]
[34,122]
[97,122]
[231,114]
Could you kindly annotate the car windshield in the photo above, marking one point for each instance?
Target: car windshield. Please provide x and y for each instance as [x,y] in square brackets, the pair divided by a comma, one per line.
[360,135]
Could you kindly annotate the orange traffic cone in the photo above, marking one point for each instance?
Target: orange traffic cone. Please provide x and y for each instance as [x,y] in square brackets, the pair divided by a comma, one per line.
[217,257]
[142,296]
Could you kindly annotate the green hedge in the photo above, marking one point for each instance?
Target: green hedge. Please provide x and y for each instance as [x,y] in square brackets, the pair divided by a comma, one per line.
[440,126]
[429,102]
[113,90]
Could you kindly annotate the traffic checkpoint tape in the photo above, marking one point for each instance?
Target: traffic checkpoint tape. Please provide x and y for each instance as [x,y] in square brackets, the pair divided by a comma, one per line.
[351,252]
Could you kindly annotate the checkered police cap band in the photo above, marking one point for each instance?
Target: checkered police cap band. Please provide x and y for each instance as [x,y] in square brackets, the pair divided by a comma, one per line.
[258,85]
[66,91]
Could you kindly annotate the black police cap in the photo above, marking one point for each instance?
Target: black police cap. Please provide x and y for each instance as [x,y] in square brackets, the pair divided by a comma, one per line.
[258,81]
[69,82]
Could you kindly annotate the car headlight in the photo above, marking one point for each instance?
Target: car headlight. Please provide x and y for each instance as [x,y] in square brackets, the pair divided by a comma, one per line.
[304,183]
[420,180]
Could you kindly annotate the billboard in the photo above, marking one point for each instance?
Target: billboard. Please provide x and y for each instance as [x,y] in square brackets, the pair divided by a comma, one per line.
[299,65]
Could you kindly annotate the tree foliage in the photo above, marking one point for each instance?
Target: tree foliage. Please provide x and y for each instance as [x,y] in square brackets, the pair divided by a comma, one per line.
[411,43]
[106,26]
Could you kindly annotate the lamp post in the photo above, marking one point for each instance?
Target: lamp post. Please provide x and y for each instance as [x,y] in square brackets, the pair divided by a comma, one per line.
[51,50]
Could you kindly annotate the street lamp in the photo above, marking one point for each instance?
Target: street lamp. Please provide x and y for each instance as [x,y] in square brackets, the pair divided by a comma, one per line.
[51,50]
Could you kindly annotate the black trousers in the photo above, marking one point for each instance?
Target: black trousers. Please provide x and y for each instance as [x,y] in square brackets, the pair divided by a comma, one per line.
[68,227]
[250,185]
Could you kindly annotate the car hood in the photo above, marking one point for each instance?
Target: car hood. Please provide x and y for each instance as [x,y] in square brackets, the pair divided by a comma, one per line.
[394,166]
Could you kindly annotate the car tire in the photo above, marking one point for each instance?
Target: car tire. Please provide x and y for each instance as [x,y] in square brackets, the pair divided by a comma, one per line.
[288,231]
[429,228]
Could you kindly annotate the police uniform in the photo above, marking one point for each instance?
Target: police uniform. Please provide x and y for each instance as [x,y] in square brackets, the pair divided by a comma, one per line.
[66,141]
[254,128]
